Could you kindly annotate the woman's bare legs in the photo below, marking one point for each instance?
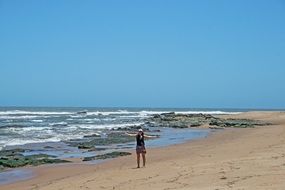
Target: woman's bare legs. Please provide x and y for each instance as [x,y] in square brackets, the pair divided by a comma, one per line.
[143,156]
[138,159]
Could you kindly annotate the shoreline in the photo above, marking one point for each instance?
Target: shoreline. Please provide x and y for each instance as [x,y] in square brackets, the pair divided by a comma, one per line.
[77,161]
[169,165]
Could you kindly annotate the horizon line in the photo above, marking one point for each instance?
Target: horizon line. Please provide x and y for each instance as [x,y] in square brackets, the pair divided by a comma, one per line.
[151,107]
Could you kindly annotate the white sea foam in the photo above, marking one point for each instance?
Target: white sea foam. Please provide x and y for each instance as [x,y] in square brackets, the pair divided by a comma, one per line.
[106,113]
[37,120]
[32,114]
[18,141]
[90,120]
[49,138]
[106,126]
[29,129]
[58,123]
[37,133]
[21,112]
[145,113]
[108,119]
[77,116]
[18,117]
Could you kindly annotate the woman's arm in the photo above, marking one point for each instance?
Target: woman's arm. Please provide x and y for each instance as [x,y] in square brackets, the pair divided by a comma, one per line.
[131,134]
[151,136]
[146,136]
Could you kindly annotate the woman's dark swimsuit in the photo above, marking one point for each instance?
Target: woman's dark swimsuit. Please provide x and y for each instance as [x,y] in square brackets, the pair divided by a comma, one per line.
[140,144]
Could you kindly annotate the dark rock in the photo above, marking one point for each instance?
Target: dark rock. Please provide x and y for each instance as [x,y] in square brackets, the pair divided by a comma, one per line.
[238,123]
[111,138]
[216,123]
[49,161]
[155,131]
[85,146]
[195,120]
[107,156]
[179,126]
[12,152]
[48,147]
[170,114]
[39,156]
[81,112]
[93,135]
[14,158]
[215,127]
[195,125]
[156,116]
[133,128]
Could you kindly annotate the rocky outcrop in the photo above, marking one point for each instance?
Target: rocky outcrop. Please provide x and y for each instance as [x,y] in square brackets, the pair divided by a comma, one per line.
[238,123]
[92,135]
[196,120]
[115,137]
[14,158]
[106,156]
[82,112]
[178,120]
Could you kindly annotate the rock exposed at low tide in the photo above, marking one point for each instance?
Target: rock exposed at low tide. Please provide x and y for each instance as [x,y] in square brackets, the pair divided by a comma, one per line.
[197,120]
[15,158]
[107,156]
[115,137]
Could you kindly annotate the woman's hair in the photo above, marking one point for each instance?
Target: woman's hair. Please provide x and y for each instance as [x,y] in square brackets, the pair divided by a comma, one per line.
[141,133]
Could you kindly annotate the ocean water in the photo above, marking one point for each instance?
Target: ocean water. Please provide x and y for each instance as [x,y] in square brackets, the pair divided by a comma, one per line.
[35,129]
[20,126]
[15,175]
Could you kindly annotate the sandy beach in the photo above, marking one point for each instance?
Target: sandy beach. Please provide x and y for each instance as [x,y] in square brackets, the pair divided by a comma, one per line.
[239,159]
[87,86]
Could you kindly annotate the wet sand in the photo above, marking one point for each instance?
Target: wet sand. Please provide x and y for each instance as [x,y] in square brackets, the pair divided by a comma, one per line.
[252,158]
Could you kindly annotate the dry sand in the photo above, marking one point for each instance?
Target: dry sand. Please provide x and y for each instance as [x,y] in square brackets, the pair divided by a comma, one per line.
[231,159]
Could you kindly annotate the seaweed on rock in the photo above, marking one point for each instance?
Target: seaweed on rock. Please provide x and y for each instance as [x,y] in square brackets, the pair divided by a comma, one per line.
[196,120]
[14,158]
[106,156]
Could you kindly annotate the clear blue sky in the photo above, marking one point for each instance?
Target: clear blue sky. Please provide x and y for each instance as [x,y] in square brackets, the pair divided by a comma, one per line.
[151,53]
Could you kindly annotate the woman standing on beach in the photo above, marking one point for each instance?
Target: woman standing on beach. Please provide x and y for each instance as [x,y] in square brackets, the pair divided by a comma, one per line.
[140,148]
